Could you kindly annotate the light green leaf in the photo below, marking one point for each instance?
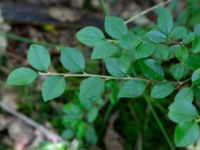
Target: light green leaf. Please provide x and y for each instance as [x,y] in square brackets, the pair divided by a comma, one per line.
[152,69]
[180,111]
[106,50]
[132,89]
[186,133]
[129,41]
[196,77]
[21,76]
[90,36]
[116,67]
[91,88]
[185,95]
[178,33]
[165,21]
[156,37]
[197,29]
[145,50]
[53,87]
[38,57]
[72,59]
[179,71]
[196,45]
[115,27]
[162,89]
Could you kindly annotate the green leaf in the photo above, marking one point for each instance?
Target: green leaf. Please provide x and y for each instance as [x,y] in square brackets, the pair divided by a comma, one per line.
[132,89]
[162,52]
[178,33]
[53,87]
[38,57]
[145,50]
[68,134]
[81,130]
[152,69]
[180,111]
[162,89]
[21,76]
[185,95]
[193,61]
[91,135]
[91,88]
[165,21]
[90,36]
[196,77]
[182,53]
[129,41]
[156,37]
[115,27]
[196,45]
[72,59]
[189,38]
[106,50]
[116,67]
[178,71]
[197,29]
[186,133]
[92,114]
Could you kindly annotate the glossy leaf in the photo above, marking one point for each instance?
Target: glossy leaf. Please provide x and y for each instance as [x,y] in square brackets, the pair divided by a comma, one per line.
[179,71]
[185,95]
[145,50]
[156,37]
[38,57]
[21,76]
[72,59]
[53,87]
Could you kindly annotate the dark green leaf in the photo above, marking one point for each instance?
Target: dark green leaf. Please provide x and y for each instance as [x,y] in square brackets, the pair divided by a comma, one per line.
[38,57]
[72,59]
[196,45]
[180,111]
[165,21]
[193,61]
[196,77]
[21,76]
[197,29]
[115,27]
[182,54]
[145,50]
[186,133]
[90,36]
[106,50]
[162,89]
[178,71]
[132,89]
[185,95]
[53,87]
[156,37]
[152,69]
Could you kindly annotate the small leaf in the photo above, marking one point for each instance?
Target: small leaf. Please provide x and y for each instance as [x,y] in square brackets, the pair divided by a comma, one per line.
[185,95]
[182,54]
[193,61]
[38,57]
[145,50]
[162,89]
[21,76]
[90,36]
[186,133]
[162,53]
[156,37]
[196,45]
[129,41]
[72,59]
[178,33]
[197,29]
[92,114]
[180,111]
[152,69]
[179,71]
[91,135]
[115,27]
[196,77]
[53,87]
[165,21]
[189,38]
[105,50]
[132,89]
[116,67]
[91,88]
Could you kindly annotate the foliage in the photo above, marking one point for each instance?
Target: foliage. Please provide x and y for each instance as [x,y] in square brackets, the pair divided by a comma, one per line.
[158,64]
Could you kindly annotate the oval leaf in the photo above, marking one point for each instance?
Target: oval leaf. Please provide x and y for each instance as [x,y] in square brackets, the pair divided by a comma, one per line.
[21,76]
[145,50]
[38,57]
[185,95]
[196,77]
[72,59]
[156,37]
[53,87]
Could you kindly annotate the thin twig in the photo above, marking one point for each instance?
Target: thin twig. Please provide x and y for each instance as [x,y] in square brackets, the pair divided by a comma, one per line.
[147,11]
[42,129]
